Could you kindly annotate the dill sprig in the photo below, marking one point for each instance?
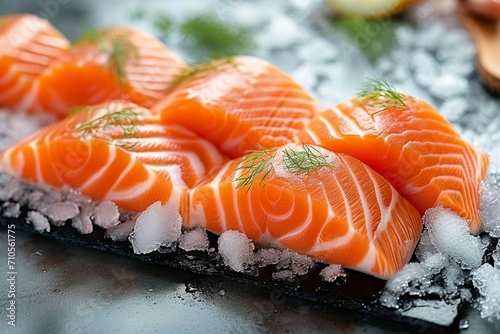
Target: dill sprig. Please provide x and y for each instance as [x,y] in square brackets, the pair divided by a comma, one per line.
[255,164]
[127,120]
[209,37]
[194,70]
[119,50]
[138,14]
[77,110]
[306,160]
[164,24]
[259,164]
[379,94]
[375,38]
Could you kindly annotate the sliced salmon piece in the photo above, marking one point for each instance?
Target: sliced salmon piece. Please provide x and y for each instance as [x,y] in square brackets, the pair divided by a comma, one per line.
[29,44]
[106,64]
[239,104]
[117,151]
[414,147]
[331,207]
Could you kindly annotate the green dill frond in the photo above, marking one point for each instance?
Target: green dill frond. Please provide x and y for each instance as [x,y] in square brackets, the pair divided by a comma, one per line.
[379,94]
[138,14]
[164,24]
[194,70]
[119,50]
[209,37]
[77,110]
[127,120]
[255,164]
[306,160]
[375,38]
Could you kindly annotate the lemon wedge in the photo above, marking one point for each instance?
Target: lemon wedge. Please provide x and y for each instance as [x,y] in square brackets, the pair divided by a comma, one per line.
[368,8]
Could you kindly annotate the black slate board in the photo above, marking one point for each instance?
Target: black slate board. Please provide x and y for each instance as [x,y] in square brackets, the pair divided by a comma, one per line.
[356,294]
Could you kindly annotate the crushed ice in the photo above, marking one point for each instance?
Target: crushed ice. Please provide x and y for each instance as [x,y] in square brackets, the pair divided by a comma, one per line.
[158,226]
[194,239]
[236,250]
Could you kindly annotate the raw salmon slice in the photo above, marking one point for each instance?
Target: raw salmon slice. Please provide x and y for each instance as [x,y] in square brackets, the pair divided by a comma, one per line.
[239,104]
[412,146]
[106,64]
[29,44]
[117,151]
[307,199]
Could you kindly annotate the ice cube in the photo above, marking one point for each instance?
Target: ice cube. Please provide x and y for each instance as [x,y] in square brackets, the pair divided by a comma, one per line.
[490,205]
[436,311]
[458,68]
[402,283]
[431,36]
[194,239]
[425,247]
[268,256]
[332,272]
[434,262]
[282,32]
[59,212]
[306,76]
[299,264]
[405,35]
[39,221]
[450,234]
[52,197]
[106,214]
[11,210]
[236,250]
[121,231]
[318,50]
[486,280]
[449,85]
[159,225]
[285,275]
[453,109]
[82,222]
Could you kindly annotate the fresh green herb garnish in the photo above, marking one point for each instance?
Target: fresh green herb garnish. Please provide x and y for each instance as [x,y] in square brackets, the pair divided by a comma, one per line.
[204,36]
[194,70]
[209,37]
[77,109]
[138,14]
[253,165]
[306,160]
[119,50]
[379,94]
[164,24]
[127,120]
[259,164]
[375,38]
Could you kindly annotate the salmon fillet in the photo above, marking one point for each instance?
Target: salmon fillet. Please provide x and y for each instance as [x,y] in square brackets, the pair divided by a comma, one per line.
[29,44]
[239,104]
[107,64]
[307,199]
[415,148]
[117,151]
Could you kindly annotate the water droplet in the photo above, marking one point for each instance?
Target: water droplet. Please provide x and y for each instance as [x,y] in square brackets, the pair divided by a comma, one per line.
[56,291]
[463,324]
[150,290]
[190,288]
